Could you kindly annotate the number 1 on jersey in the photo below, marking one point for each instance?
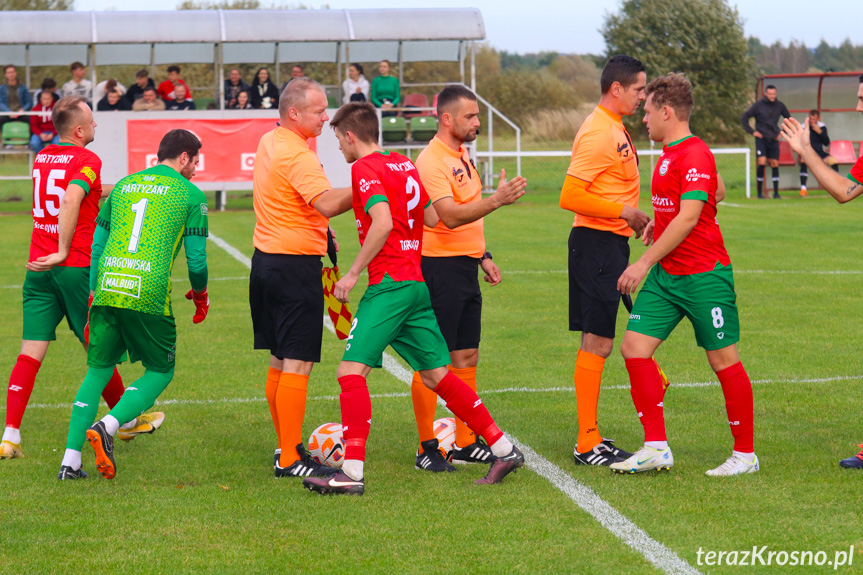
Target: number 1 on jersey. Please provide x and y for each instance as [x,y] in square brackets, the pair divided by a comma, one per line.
[138,208]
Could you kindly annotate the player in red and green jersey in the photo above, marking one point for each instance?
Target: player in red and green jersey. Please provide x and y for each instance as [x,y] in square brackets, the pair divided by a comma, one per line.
[391,207]
[693,280]
[66,191]
[138,236]
[842,189]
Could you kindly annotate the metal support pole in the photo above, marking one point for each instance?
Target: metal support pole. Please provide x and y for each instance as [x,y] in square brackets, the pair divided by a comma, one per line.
[27,65]
[401,69]
[490,182]
[461,50]
[91,51]
[219,58]
[278,68]
[748,172]
[473,67]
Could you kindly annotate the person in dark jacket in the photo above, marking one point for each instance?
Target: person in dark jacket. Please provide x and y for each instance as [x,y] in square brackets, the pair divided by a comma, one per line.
[263,92]
[113,102]
[142,82]
[767,112]
[820,142]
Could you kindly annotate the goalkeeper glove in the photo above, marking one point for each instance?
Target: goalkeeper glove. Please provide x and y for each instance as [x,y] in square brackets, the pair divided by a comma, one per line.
[87,325]
[202,304]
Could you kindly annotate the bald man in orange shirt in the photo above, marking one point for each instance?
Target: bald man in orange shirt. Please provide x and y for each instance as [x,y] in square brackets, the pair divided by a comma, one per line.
[293,200]
[601,187]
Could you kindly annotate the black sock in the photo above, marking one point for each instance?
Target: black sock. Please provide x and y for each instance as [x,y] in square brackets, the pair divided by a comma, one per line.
[775,181]
[804,175]
[759,179]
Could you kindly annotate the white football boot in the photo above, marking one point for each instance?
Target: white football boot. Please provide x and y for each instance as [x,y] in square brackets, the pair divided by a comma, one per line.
[645,459]
[735,465]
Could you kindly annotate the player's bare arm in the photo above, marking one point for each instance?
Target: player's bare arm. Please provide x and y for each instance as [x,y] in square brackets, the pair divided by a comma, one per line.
[382,225]
[430,216]
[70,207]
[507,193]
[492,272]
[333,202]
[683,223]
[720,189]
[842,189]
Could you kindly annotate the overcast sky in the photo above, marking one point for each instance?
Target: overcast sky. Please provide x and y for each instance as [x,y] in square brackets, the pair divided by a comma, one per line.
[572,25]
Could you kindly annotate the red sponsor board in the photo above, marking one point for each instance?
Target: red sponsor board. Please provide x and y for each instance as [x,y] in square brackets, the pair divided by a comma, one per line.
[227,154]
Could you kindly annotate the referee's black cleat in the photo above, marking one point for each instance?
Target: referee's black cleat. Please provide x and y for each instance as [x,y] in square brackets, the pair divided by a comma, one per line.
[431,459]
[502,466]
[602,455]
[103,446]
[477,452]
[305,466]
[67,473]
[276,456]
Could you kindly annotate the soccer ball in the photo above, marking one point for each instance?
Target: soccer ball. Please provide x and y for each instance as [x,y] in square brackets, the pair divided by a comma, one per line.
[444,431]
[326,445]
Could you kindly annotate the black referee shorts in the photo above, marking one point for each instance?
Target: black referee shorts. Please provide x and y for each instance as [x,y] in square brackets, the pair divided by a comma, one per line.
[287,300]
[767,149]
[596,260]
[453,284]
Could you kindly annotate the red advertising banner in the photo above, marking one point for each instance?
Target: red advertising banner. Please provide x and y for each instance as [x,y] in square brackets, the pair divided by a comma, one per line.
[227,154]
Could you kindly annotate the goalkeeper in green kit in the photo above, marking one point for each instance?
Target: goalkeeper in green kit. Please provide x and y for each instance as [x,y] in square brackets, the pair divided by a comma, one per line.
[138,235]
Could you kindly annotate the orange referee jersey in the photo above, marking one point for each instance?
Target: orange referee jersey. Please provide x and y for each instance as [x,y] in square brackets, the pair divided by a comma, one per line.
[449,173]
[288,177]
[603,155]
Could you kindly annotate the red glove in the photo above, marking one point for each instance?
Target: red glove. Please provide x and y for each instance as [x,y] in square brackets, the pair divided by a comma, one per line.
[202,304]
[87,325]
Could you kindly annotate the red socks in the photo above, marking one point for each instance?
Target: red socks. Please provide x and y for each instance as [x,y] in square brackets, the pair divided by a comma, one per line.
[737,390]
[356,415]
[20,387]
[466,405]
[114,390]
[647,394]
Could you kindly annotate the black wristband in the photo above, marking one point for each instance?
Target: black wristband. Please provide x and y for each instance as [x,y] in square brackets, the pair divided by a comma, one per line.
[485,256]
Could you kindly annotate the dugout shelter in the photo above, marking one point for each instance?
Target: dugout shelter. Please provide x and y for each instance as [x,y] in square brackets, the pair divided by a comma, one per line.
[226,37]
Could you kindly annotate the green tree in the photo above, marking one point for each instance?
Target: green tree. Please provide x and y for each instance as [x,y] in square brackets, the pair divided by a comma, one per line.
[701,38]
[37,5]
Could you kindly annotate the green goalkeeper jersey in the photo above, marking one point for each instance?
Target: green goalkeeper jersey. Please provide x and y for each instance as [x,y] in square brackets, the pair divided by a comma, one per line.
[147,215]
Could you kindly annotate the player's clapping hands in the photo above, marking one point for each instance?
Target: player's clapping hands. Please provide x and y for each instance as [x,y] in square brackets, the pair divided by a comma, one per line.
[795,134]
[509,191]
[344,286]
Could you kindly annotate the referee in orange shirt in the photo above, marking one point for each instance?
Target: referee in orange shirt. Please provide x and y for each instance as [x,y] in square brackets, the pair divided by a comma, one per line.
[602,188]
[452,252]
[293,200]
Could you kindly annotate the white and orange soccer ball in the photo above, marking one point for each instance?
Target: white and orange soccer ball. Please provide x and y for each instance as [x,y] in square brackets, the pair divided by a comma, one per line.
[327,446]
[444,430]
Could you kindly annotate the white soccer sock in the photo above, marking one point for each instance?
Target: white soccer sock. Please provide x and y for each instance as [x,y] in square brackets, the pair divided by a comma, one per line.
[747,457]
[657,445]
[353,468]
[111,424]
[12,434]
[130,425]
[502,447]
[72,458]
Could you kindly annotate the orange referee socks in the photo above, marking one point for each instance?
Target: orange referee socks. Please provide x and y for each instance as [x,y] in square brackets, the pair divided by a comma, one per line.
[291,408]
[588,375]
[425,404]
[463,434]
[270,390]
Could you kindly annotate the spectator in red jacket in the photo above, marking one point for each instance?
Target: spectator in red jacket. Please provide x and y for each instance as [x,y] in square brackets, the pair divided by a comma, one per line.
[41,125]
[166,88]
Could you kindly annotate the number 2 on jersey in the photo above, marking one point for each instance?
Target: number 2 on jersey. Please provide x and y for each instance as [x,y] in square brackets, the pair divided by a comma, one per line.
[138,208]
[413,190]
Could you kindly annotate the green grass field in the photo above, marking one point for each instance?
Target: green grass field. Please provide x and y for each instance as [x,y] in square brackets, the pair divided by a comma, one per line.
[200,496]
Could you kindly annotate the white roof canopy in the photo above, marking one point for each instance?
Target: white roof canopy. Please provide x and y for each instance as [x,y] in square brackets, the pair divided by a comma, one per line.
[257,36]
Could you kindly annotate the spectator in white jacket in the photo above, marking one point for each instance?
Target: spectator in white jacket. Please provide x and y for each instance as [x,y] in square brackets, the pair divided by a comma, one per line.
[356,87]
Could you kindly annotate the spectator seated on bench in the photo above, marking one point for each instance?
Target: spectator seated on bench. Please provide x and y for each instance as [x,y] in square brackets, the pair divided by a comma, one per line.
[42,131]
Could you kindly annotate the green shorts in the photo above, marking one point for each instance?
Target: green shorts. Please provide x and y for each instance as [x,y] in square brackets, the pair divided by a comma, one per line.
[50,296]
[398,314]
[707,299]
[150,339]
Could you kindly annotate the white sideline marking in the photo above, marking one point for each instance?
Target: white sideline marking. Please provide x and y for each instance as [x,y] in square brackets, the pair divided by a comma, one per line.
[624,529]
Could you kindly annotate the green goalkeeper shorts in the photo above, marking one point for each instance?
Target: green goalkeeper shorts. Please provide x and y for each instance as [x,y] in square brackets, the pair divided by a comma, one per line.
[50,296]
[150,339]
[398,314]
[707,299]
